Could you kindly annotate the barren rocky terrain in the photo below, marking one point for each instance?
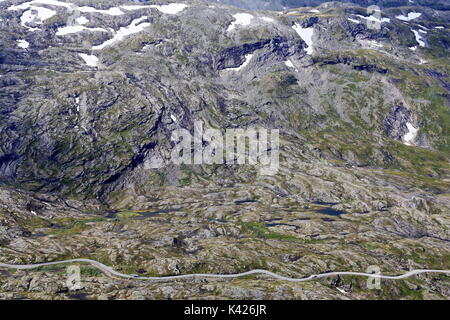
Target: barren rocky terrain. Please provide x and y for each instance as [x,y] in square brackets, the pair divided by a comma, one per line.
[90,92]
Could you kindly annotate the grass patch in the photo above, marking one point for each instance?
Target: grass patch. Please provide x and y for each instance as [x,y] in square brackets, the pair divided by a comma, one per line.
[259,230]
[73,227]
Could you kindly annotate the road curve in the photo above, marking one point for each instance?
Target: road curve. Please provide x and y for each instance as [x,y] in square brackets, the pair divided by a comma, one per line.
[110,271]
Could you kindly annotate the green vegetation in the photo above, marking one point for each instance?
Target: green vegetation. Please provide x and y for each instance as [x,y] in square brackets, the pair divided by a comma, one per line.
[259,230]
[70,226]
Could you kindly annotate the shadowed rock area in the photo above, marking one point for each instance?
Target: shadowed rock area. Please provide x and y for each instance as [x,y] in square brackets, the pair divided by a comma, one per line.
[91,92]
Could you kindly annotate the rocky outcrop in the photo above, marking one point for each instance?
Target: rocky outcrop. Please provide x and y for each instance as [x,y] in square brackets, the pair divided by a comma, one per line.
[83,130]
[395,122]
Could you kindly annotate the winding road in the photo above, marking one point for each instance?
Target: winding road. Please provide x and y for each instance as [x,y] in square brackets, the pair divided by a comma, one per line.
[109,271]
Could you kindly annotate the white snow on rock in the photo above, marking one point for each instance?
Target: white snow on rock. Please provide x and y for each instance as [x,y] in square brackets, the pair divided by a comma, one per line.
[30,4]
[374,18]
[23,44]
[77,102]
[172,8]
[413,48]
[306,34]
[81,20]
[248,57]
[90,60]
[134,27]
[36,15]
[411,135]
[241,19]
[314,11]
[289,64]
[419,38]
[74,29]
[439,27]
[174,119]
[411,16]
[423,31]
[55,3]
[353,20]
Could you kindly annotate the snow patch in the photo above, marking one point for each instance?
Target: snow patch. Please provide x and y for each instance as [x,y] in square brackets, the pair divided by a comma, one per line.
[23,44]
[353,20]
[411,16]
[248,57]
[90,60]
[36,15]
[172,8]
[74,29]
[314,11]
[419,38]
[81,20]
[30,4]
[134,27]
[241,19]
[306,34]
[374,18]
[174,119]
[289,64]
[411,135]
[439,27]
[77,102]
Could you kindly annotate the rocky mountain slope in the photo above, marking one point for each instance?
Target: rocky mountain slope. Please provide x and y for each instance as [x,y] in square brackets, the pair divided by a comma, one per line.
[288,4]
[91,92]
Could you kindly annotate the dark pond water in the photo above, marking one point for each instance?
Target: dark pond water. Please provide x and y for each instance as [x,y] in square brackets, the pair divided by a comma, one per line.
[281,224]
[330,212]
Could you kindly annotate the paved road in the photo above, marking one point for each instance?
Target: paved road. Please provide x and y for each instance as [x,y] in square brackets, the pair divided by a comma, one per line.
[110,271]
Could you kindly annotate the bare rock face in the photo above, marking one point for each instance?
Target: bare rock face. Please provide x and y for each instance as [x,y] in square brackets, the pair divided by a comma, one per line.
[395,122]
[92,91]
